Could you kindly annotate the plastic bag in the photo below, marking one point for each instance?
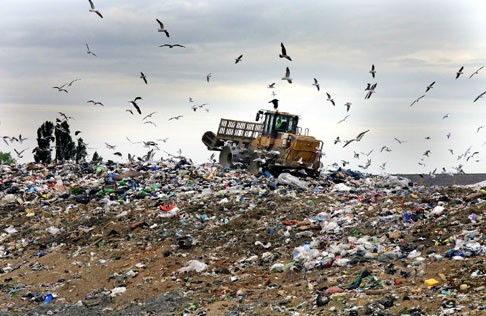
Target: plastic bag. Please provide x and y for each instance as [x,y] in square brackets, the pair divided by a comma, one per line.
[287,178]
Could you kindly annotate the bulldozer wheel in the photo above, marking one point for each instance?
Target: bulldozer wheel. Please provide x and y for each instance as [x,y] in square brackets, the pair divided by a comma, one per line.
[254,166]
[226,157]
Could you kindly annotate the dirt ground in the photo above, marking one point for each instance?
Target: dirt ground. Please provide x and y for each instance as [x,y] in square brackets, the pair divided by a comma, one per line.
[132,249]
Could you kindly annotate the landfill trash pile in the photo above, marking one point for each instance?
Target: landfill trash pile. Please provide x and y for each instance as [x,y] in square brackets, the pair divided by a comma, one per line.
[172,238]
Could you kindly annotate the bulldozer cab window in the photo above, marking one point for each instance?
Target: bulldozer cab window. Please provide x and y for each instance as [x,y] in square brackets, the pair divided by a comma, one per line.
[285,124]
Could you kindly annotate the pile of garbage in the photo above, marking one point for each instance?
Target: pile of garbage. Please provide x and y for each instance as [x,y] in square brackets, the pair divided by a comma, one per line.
[174,238]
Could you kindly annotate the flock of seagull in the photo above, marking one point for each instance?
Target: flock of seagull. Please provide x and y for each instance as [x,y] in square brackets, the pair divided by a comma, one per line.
[370,89]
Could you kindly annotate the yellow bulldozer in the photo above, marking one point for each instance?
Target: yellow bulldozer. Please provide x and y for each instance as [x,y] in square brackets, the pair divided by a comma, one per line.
[274,143]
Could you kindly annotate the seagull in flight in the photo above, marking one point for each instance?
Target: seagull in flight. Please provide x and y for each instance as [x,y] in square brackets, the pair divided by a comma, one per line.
[237,60]
[429,86]
[373,71]
[287,76]
[21,140]
[385,148]
[175,117]
[148,115]
[208,76]
[399,141]
[143,77]
[134,103]
[60,89]
[459,72]
[360,135]
[19,153]
[73,81]
[95,102]
[89,52]
[316,84]
[477,98]
[330,99]
[161,27]
[371,90]
[416,100]
[347,105]
[93,9]
[476,72]
[65,116]
[446,116]
[172,45]
[150,122]
[357,138]
[344,119]
[283,54]
[271,86]
[367,154]
[275,103]
[112,147]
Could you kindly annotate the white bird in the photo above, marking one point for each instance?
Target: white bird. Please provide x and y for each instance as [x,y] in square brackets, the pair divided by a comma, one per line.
[344,119]
[93,9]
[161,27]
[175,117]
[287,76]
[476,72]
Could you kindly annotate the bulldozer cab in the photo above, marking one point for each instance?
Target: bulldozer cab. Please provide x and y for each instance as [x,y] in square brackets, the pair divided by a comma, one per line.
[276,122]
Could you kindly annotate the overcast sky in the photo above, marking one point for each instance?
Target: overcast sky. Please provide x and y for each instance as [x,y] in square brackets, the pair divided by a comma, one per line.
[412,43]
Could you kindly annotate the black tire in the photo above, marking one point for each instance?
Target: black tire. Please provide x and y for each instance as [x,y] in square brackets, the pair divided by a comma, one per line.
[226,157]
[254,167]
